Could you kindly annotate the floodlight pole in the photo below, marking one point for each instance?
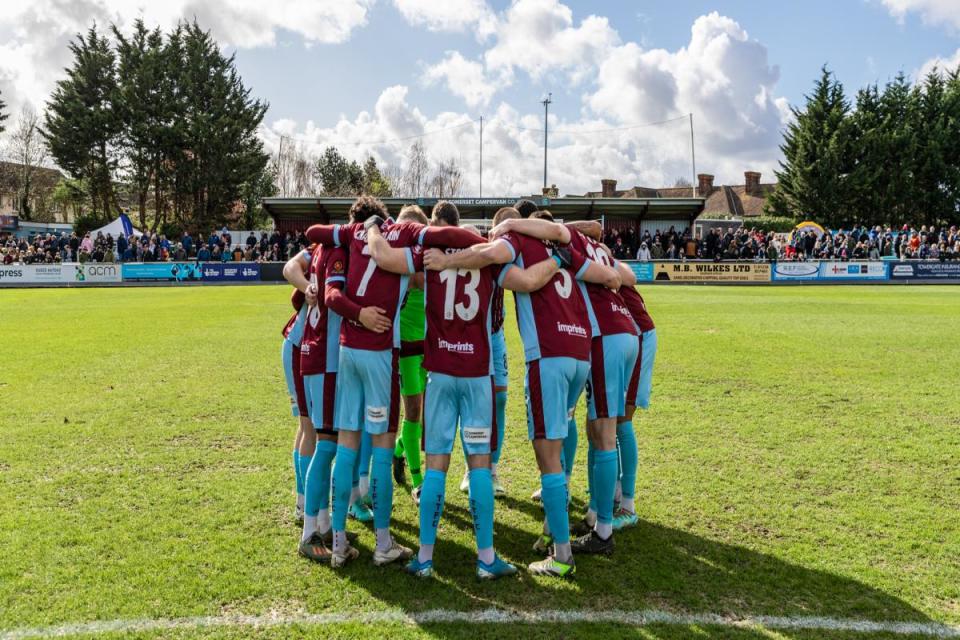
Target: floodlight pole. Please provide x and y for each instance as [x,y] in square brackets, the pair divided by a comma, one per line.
[693,158]
[481,156]
[546,113]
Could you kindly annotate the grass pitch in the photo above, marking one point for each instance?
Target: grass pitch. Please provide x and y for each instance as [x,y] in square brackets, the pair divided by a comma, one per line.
[800,459]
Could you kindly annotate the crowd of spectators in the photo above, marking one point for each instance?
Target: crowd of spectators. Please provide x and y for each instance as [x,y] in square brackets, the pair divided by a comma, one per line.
[908,243]
[861,243]
[218,246]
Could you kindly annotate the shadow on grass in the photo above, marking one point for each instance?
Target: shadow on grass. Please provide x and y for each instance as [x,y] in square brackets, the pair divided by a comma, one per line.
[654,567]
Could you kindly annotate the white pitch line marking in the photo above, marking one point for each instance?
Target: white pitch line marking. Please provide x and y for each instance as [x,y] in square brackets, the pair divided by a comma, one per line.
[639,618]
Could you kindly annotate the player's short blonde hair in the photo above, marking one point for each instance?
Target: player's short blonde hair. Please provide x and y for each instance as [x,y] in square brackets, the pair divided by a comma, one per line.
[504,213]
[412,213]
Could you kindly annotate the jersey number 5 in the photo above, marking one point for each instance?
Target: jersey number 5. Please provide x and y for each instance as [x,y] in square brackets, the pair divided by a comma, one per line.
[449,278]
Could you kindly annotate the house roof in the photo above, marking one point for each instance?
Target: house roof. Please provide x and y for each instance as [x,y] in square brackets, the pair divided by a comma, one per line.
[733,200]
[44,176]
[729,200]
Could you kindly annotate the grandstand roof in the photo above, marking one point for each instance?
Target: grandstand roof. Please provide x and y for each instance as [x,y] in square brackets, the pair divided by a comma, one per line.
[293,213]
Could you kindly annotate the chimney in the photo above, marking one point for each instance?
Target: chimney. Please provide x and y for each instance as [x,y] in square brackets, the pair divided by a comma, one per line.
[752,182]
[704,184]
[551,192]
[608,188]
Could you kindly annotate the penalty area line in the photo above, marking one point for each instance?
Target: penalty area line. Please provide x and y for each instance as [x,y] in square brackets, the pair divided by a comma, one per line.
[638,618]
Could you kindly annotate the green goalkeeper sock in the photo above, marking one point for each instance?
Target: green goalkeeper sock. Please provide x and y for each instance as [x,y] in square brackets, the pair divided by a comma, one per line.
[410,437]
[398,449]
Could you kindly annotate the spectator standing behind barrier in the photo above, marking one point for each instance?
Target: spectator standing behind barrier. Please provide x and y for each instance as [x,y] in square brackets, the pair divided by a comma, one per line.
[204,254]
[643,253]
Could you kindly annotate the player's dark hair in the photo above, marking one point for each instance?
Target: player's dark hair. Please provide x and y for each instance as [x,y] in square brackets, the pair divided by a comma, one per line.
[525,207]
[412,213]
[446,212]
[366,206]
[504,213]
[542,215]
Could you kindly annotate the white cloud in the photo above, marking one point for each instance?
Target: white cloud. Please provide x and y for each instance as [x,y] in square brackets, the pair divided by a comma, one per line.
[934,12]
[34,34]
[449,15]
[721,76]
[539,36]
[944,65]
[463,78]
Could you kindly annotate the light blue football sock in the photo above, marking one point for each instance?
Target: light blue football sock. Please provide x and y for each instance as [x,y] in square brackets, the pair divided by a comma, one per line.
[296,470]
[501,412]
[342,485]
[481,506]
[366,449]
[432,494]
[627,443]
[570,446]
[591,487]
[605,483]
[303,463]
[317,483]
[381,486]
[554,497]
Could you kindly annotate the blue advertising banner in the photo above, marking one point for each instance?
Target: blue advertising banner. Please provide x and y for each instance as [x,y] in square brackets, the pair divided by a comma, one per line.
[925,271]
[853,271]
[175,271]
[643,271]
[795,270]
[230,271]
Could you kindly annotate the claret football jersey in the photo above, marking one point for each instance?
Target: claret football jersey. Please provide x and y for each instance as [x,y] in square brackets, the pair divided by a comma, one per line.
[293,330]
[458,312]
[368,285]
[638,308]
[553,321]
[319,351]
[607,311]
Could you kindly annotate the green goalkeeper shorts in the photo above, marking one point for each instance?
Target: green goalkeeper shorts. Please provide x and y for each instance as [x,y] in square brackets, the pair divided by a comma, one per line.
[413,377]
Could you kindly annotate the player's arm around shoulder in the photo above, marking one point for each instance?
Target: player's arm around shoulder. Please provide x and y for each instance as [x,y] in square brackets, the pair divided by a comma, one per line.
[589,228]
[590,270]
[477,256]
[530,279]
[533,227]
[392,259]
[295,271]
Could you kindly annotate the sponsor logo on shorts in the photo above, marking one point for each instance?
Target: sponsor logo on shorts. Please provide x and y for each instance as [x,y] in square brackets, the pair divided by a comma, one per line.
[455,347]
[572,329]
[377,414]
[476,435]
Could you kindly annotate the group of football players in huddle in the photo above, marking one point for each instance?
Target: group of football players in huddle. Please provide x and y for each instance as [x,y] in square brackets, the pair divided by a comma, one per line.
[412,311]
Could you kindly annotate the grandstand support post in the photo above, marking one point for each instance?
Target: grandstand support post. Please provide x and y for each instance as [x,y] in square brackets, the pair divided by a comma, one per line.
[481,157]
[693,159]
[546,113]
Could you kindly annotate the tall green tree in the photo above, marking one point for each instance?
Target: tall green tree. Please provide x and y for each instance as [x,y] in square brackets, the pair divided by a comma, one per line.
[264,185]
[81,125]
[214,130]
[337,175]
[810,182]
[868,205]
[142,106]
[375,183]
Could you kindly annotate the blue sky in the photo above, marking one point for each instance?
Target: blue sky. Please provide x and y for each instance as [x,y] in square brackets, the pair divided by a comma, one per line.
[366,75]
[859,40]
